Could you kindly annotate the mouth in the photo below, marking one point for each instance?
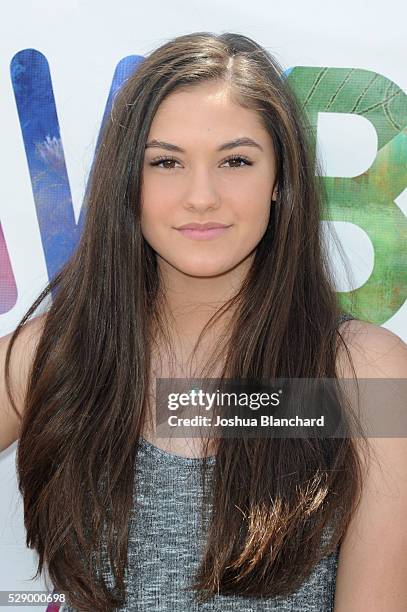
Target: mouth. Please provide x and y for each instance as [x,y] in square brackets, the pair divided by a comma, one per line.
[204,234]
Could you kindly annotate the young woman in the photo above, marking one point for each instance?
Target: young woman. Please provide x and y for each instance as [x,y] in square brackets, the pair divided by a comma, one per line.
[205,131]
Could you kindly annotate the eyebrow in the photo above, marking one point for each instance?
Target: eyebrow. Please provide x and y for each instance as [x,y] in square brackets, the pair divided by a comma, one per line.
[237,142]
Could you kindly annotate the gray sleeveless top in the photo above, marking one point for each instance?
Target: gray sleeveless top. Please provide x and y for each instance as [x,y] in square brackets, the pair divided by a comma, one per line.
[166,543]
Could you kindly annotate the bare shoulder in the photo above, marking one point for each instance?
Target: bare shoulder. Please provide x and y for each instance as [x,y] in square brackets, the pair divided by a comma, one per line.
[22,354]
[366,579]
[376,352]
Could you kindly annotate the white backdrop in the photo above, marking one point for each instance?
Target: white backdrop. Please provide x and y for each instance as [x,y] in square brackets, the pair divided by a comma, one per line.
[83,42]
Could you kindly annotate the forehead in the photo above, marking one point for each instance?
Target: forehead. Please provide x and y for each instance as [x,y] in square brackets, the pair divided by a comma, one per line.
[204,109]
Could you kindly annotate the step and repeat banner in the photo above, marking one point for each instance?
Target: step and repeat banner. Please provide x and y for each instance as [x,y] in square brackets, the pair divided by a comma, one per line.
[61,64]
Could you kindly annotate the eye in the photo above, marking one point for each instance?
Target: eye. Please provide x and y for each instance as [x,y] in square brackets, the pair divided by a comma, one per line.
[161,160]
[238,158]
[233,158]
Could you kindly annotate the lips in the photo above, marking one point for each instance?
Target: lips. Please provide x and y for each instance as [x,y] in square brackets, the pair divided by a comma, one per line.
[202,232]
[202,226]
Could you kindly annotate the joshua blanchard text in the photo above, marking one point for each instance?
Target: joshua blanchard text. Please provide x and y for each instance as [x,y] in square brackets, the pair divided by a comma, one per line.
[263,421]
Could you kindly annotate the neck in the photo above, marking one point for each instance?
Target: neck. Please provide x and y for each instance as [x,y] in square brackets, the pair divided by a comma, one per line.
[190,301]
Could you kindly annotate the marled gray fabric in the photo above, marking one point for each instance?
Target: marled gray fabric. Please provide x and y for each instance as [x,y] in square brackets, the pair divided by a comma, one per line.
[165,548]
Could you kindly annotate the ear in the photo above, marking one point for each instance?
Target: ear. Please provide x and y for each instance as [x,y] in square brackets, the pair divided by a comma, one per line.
[275,190]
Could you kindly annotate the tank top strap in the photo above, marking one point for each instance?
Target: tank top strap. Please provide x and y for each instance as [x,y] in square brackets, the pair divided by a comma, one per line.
[345,316]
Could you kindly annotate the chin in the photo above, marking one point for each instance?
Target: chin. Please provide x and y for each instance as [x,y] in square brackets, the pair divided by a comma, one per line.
[203,269]
[202,272]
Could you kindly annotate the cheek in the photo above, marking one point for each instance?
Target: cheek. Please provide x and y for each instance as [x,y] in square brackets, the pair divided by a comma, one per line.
[155,209]
[150,226]
[150,215]
[253,198]
[254,210]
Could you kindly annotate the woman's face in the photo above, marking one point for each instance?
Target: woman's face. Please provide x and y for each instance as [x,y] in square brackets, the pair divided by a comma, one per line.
[206,181]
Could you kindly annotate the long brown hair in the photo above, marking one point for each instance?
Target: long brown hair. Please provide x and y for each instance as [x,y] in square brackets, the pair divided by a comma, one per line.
[89,384]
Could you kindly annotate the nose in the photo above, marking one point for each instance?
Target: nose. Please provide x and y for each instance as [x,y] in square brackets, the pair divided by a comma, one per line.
[201,193]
